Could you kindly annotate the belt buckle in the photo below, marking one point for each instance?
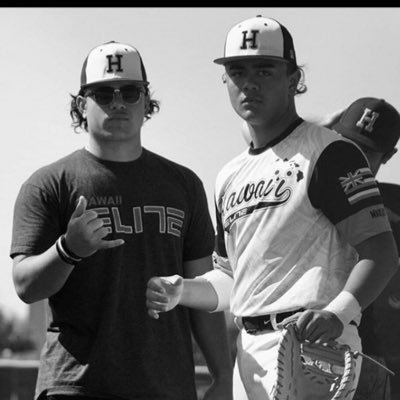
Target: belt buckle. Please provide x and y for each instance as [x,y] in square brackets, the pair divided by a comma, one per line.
[274,324]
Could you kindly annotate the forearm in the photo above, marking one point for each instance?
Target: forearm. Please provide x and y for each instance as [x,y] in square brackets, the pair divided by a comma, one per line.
[40,276]
[198,293]
[210,332]
[378,263]
[365,283]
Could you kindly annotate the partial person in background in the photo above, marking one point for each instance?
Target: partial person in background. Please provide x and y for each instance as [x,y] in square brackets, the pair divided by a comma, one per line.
[90,229]
[298,239]
[374,125]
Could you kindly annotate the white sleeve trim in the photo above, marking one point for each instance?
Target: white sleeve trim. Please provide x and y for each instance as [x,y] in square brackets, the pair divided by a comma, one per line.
[222,284]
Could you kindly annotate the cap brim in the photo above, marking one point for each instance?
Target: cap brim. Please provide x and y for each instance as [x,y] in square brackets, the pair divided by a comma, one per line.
[224,60]
[99,83]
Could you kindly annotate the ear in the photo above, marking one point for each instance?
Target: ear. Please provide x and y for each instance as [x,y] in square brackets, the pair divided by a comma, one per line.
[81,104]
[294,79]
[146,103]
[387,156]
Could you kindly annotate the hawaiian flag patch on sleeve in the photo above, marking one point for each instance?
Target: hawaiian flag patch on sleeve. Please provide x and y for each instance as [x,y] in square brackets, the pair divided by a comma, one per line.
[359,185]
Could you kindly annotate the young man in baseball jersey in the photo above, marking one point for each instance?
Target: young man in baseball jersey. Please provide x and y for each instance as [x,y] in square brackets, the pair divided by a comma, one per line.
[89,231]
[374,125]
[301,229]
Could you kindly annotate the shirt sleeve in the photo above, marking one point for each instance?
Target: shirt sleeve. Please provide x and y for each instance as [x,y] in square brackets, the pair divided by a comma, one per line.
[344,189]
[35,223]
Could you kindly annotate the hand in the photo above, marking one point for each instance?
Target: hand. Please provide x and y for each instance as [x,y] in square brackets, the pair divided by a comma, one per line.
[318,326]
[163,294]
[330,119]
[85,232]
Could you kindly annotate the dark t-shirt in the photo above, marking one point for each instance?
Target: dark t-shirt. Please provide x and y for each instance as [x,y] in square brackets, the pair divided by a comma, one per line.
[380,323]
[100,340]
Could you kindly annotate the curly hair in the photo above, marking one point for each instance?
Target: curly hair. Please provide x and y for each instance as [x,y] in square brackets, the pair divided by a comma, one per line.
[79,122]
[301,86]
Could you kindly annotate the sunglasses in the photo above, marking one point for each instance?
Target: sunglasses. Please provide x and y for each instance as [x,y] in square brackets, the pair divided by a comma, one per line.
[104,95]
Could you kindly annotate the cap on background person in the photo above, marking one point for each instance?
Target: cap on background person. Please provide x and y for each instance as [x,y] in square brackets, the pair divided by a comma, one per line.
[113,61]
[259,37]
[372,123]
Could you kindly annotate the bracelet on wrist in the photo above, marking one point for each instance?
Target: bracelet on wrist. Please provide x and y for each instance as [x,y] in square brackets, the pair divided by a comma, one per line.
[64,253]
[67,250]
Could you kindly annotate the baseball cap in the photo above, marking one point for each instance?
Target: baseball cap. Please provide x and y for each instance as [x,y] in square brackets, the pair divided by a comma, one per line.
[260,37]
[113,61]
[371,122]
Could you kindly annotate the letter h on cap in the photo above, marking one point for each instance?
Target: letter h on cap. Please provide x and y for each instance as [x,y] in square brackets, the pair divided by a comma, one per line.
[112,63]
[368,119]
[251,39]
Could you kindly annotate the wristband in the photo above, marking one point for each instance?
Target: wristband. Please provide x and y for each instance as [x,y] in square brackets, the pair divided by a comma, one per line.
[64,253]
[345,306]
[222,284]
[67,250]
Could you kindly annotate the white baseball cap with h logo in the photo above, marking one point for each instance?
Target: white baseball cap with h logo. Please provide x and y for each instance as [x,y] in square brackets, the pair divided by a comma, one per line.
[113,61]
[259,37]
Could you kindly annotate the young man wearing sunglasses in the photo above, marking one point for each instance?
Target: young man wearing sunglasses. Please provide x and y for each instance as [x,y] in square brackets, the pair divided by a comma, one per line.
[89,231]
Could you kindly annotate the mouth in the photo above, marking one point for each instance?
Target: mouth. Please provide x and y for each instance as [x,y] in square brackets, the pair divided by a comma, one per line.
[118,118]
[251,100]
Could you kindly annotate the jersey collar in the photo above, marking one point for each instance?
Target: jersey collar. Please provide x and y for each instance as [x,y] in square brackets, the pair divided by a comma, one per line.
[278,139]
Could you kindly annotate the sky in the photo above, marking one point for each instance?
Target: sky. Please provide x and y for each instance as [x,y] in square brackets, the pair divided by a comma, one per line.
[346,53]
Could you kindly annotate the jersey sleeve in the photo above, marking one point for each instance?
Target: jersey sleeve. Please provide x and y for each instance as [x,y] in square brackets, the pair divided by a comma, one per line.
[35,223]
[199,240]
[344,189]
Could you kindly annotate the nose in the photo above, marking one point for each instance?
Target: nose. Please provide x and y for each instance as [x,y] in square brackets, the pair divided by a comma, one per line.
[117,102]
[249,85]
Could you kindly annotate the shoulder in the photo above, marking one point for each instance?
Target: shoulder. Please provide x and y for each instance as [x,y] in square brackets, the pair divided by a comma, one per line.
[54,169]
[330,145]
[171,168]
[319,137]
[344,160]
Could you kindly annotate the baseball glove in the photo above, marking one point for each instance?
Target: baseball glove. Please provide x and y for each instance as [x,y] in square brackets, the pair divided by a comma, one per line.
[311,371]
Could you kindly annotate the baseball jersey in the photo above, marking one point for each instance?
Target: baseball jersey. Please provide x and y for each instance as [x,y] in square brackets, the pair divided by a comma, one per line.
[100,341]
[289,216]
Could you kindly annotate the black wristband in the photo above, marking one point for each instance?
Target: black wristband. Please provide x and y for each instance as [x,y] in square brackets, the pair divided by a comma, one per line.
[69,253]
[63,256]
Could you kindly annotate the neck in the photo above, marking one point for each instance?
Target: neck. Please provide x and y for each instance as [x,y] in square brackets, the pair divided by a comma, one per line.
[115,151]
[264,133]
